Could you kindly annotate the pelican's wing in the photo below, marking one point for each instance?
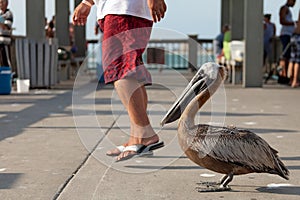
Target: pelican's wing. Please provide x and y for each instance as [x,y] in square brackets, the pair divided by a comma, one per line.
[240,147]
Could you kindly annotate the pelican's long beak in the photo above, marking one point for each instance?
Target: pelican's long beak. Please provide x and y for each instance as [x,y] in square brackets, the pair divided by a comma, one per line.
[206,75]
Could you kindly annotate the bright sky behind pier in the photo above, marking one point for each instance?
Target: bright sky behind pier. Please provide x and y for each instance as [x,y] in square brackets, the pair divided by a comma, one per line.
[184,16]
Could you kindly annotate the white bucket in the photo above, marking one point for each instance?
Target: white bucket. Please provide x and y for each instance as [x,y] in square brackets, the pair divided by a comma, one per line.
[23,85]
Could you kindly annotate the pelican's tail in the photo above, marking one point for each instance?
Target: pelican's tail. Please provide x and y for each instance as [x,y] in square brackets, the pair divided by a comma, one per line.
[280,168]
[283,170]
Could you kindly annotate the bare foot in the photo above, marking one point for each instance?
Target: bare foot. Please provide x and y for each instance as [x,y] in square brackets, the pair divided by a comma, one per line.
[135,141]
[116,151]
[294,85]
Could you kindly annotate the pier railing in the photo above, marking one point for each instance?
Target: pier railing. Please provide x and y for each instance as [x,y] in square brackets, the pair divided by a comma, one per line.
[168,53]
[189,53]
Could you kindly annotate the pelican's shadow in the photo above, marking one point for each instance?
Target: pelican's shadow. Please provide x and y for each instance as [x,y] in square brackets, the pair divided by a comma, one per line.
[289,190]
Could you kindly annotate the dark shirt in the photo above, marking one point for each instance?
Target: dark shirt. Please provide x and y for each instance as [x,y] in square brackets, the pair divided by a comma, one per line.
[220,39]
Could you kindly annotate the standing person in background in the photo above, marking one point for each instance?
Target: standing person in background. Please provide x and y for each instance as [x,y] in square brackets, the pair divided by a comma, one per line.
[226,45]
[50,32]
[126,26]
[287,30]
[269,33]
[6,20]
[218,42]
[295,55]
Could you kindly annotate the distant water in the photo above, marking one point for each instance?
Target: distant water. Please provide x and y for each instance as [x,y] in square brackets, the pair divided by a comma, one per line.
[171,59]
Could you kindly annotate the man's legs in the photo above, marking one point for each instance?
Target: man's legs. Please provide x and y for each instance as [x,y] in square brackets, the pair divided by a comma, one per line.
[124,40]
[134,97]
[295,82]
[3,56]
[283,64]
[284,61]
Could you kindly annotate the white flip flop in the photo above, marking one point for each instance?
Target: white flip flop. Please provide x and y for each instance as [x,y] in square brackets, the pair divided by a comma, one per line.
[141,150]
[120,148]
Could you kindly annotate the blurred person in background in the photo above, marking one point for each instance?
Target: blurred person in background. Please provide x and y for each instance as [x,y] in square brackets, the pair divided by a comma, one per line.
[269,34]
[6,20]
[295,56]
[218,42]
[287,30]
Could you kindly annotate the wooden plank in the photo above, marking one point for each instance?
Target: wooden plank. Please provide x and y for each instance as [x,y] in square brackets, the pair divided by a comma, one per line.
[54,61]
[22,60]
[33,65]
[19,54]
[40,63]
[26,60]
[47,64]
[52,79]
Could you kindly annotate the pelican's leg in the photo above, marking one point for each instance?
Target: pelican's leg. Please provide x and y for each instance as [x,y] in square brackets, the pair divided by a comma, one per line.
[227,179]
[223,179]
[215,186]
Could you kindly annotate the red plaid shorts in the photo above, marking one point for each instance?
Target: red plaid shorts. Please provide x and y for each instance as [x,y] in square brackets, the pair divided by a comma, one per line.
[125,38]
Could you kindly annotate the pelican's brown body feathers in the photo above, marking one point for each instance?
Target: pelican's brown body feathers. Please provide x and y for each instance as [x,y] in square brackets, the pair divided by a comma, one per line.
[231,151]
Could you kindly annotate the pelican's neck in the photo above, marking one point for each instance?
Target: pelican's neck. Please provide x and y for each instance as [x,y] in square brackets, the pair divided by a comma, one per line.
[189,113]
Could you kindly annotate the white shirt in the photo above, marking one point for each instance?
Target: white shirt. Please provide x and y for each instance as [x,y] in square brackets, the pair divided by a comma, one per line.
[138,8]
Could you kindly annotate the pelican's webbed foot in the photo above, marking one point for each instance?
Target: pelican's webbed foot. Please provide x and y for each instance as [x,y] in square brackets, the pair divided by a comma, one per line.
[213,188]
[207,183]
[216,186]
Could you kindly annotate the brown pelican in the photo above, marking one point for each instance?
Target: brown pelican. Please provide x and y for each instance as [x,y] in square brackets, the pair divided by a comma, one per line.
[224,150]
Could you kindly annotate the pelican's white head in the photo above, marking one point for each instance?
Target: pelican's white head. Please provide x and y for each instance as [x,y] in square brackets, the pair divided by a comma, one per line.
[210,69]
[204,78]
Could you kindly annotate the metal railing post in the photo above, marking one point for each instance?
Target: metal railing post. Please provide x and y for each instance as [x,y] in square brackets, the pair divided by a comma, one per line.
[193,50]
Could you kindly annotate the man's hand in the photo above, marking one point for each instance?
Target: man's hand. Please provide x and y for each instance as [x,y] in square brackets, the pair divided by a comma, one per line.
[157,9]
[80,15]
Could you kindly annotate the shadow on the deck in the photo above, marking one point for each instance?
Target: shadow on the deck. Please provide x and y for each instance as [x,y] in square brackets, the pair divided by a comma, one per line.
[7,180]
[165,168]
[289,190]
[291,158]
